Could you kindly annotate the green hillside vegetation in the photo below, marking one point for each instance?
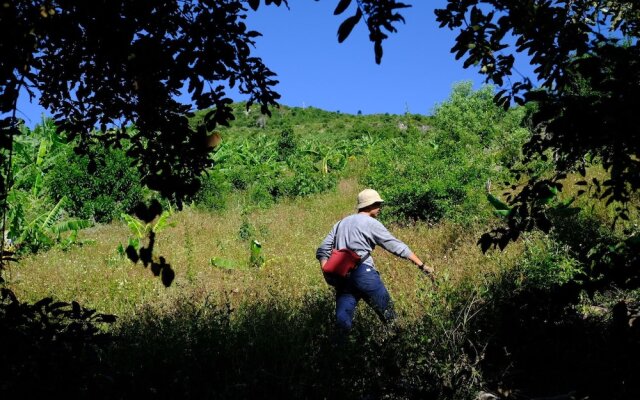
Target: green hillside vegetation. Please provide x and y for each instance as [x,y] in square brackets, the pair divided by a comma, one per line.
[248,312]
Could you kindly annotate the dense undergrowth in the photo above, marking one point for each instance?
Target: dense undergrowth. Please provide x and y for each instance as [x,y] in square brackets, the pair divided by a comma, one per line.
[244,320]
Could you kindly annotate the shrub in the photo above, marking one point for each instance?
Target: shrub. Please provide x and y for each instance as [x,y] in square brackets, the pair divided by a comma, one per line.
[112,189]
[546,264]
[422,182]
[304,179]
[287,143]
[213,193]
[50,347]
[440,173]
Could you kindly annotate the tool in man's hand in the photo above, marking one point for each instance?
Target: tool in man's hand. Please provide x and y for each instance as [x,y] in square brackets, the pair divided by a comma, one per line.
[429,272]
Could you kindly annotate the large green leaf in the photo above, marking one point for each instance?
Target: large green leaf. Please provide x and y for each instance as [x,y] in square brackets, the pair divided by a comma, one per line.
[53,215]
[136,226]
[223,263]
[71,225]
[163,221]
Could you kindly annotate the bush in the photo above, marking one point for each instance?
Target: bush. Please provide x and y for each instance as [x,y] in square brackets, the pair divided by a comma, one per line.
[421,182]
[545,265]
[304,179]
[112,189]
[441,173]
[287,143]
[213,193]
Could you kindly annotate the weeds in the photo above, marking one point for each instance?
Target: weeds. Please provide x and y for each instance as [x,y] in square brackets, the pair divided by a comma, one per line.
[248,313]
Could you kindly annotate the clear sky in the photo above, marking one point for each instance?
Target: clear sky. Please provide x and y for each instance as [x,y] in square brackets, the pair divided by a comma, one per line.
[301,46]
[417,69]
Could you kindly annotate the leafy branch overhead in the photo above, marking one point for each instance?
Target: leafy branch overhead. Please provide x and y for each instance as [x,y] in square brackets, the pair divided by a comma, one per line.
[109,64]
[378,15]
[587,62]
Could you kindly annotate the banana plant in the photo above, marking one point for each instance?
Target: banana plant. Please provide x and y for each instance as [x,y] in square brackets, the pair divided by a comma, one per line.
[35,152]
[141,229]
[256,259]
[327,156]
[47,229]
[261,150]
[364,144]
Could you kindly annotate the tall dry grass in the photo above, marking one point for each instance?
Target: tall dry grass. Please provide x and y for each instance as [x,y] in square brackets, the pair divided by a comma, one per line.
[243,332]
[96,276]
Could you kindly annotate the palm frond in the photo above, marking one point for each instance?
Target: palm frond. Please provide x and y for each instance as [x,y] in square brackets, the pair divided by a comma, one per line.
[71,225]
[162,221]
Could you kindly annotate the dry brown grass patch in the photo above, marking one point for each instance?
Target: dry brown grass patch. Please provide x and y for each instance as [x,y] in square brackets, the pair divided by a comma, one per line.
[290,232]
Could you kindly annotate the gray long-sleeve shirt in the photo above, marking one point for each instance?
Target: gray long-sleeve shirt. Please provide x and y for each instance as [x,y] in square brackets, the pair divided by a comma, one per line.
[361,233]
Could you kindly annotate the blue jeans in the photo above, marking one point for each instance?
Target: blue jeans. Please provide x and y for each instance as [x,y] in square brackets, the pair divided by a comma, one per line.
[363,283]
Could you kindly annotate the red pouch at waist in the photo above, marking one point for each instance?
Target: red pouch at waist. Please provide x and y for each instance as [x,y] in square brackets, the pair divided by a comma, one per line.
[341,262]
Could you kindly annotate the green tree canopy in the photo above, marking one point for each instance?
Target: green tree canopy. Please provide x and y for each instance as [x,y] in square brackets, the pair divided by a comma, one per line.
[107,64]
[102,65]
[587,59]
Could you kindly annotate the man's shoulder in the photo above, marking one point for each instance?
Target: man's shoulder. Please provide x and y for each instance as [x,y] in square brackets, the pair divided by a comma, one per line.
[365,221]
[374,223]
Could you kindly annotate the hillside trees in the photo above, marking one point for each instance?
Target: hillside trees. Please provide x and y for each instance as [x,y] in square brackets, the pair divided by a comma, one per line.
[107,64]
[438,174]
[100,66]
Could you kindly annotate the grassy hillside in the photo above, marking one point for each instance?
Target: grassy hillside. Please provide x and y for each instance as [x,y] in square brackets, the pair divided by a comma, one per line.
[230,326]
[282,313]
[97,276]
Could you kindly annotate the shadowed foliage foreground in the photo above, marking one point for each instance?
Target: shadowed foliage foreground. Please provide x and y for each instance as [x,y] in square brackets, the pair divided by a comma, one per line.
[507,339]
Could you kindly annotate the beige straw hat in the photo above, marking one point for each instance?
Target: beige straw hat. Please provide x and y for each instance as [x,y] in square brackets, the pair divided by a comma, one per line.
[368,197]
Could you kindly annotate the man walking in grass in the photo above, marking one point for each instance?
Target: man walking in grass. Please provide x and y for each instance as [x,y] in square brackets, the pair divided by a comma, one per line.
[361,232]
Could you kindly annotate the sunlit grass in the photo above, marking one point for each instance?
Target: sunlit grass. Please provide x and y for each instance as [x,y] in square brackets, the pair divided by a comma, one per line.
[236,331]
[98,277]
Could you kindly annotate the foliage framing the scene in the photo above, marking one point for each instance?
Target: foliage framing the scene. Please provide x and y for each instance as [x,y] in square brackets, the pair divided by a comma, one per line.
[587,60]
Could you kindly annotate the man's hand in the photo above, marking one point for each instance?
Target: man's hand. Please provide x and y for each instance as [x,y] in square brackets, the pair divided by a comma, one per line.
[429,271]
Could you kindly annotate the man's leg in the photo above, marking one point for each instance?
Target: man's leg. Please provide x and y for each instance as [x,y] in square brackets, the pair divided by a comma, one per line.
[345,307]
[367,280]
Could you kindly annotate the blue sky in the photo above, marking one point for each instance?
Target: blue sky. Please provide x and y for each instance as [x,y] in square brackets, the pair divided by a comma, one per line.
[417,69]
[301,46]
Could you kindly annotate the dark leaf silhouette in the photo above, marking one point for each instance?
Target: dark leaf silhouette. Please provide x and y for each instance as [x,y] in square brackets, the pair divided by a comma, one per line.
[485,242]
[168,275]
[132,254]
[254,4]
[347,25]
[341,7]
